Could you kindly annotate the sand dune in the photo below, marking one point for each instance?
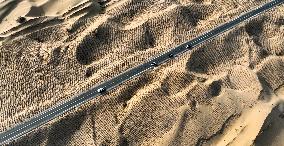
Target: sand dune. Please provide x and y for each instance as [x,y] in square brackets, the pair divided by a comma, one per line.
[209,96]
[11,10]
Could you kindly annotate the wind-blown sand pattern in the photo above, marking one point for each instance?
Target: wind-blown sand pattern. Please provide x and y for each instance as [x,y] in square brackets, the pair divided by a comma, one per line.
[209,96]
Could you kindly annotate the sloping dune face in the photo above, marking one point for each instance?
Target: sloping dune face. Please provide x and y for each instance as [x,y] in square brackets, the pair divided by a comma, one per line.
[11,10]
[195,99]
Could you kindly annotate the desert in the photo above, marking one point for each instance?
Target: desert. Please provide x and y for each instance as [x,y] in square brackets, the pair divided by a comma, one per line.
[226,91]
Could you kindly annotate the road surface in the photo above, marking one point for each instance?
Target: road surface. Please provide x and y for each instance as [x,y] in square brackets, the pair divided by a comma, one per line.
[25,127]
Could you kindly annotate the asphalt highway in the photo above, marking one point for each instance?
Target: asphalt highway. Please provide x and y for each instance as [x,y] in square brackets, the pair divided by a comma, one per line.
[44,117]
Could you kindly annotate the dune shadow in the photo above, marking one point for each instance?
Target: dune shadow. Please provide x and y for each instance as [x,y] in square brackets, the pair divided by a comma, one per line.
[36,12]
[61,132]
[272,129]
[8,8]
[91,47]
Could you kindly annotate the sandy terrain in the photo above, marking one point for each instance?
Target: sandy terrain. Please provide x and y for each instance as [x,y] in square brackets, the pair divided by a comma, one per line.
[224,92]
